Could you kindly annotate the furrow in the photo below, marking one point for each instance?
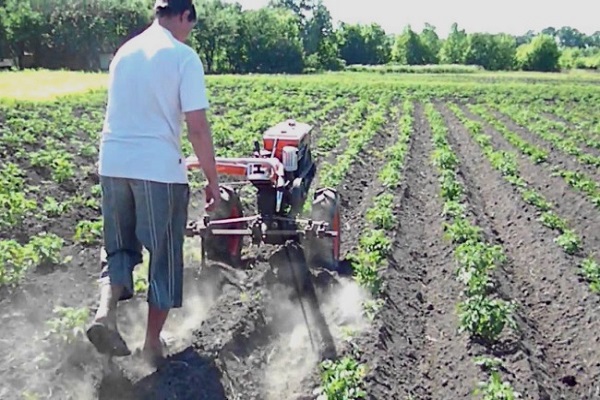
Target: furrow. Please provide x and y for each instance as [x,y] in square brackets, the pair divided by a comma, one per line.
[556,355]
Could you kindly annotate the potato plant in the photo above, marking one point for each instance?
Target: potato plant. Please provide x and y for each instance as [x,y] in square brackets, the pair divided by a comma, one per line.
[377,125]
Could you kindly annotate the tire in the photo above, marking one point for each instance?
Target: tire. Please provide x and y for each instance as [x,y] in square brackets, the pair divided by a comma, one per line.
[225,248]
[325,252]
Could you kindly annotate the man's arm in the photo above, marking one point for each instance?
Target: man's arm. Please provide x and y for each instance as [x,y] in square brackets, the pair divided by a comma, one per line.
[200,137]
[194,103]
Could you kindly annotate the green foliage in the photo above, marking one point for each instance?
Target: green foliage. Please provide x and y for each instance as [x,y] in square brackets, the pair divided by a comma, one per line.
[69,324]
[493,52]
[590,270]
[542,54]
[285,36]
[16,259]
[484,317]
[363,44]
[342,380]
[409,49]
[575,58]
[454,48]
[495,388]
[381,215]
[269,42]
[22,26]
[88,232]
[71,34]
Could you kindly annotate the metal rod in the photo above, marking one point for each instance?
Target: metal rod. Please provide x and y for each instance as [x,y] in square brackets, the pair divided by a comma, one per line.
[299,294]
[275,232]
[233,220]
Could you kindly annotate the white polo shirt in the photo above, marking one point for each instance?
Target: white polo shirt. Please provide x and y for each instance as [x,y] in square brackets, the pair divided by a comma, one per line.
[153,80]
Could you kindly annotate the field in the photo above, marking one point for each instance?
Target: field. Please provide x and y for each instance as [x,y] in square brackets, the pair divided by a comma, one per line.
[470,220]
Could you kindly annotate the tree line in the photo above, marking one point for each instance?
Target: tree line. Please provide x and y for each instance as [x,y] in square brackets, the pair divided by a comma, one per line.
[286,36]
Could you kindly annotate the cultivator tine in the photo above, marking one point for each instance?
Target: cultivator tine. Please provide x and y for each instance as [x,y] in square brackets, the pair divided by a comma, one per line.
[299,296]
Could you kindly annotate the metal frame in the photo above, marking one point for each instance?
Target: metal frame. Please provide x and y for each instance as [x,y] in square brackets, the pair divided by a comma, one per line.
[258,229]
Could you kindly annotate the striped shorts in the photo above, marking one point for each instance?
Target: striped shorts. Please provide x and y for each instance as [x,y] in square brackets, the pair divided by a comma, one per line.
[140,213]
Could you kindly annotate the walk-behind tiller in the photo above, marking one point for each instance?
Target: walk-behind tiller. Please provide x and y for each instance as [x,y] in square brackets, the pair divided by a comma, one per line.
[282,172]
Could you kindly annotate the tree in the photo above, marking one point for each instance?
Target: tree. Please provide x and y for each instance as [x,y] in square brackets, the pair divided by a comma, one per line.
[542,54]
[408,48]
[216,31]
[317,29]
[594,39]
[268,41]
[549,31]
[377,44]
[569,37]
[431,44]
[505,52]
[454,49]
[526,38]
[298,7]
[363,44]
[492,52]
[23,27]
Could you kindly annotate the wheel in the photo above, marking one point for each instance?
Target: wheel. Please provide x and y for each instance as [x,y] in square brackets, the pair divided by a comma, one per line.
[325,252]
[225,248]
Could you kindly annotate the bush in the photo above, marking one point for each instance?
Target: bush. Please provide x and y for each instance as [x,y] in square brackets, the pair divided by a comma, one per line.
[542,54]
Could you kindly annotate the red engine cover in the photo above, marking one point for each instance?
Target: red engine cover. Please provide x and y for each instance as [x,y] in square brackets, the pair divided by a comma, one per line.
[288,133]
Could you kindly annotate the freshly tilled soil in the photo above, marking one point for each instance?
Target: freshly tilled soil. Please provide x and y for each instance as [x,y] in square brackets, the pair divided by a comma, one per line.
[243,335]
[554,355]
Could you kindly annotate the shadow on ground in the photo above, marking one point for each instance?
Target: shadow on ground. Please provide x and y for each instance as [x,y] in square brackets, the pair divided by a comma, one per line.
[187,376]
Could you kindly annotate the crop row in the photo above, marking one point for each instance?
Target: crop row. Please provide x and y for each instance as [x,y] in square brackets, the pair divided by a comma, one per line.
[583,116]
[481,314]
[505,163]
[342,379]
[577,180]
[331,173]
[21,201]
[542,128]
[536,116]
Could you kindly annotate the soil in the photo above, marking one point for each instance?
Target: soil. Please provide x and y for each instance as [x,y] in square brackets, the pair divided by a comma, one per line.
[569,203]
[556,156]
[232,339]
[555,354]
[243,335]
[593,149]
[413,350]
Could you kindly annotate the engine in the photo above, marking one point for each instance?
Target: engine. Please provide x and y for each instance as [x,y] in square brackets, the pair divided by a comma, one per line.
[290,143]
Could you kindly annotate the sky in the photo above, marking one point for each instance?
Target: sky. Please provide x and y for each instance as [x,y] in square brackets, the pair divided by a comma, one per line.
[508,16]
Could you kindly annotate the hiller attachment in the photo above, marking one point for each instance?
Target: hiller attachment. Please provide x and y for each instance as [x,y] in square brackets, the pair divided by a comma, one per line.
[226,234]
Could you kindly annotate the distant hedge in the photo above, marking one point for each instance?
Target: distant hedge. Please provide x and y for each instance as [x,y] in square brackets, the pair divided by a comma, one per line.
[417,69]
[286,36]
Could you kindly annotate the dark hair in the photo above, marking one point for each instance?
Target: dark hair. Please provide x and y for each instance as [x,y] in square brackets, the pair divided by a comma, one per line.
[169,8]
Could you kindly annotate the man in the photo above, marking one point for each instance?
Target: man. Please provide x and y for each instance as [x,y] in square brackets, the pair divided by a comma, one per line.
[154,81]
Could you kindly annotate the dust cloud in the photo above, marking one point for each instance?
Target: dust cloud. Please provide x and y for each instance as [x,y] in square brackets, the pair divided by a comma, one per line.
[37,366]
[292,358]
